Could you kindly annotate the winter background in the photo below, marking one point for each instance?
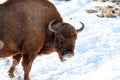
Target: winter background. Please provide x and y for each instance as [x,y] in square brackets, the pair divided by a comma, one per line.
[97,51]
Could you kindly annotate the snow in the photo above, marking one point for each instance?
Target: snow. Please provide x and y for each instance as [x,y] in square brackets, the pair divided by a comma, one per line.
[97,51]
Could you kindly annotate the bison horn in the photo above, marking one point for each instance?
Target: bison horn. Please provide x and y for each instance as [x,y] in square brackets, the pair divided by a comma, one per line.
[51,27]
[79,30]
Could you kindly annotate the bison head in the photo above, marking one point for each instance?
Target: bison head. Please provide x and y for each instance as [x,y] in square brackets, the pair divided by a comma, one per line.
[64,38]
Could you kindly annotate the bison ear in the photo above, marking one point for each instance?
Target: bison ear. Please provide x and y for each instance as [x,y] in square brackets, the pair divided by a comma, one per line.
[51,26]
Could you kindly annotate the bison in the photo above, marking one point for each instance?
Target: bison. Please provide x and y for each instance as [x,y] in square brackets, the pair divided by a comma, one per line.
[29,28]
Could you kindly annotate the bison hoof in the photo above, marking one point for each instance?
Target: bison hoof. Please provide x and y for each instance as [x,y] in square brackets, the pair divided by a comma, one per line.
[11,75]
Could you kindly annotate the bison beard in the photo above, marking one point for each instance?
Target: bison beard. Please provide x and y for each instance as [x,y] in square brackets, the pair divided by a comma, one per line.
[32,27]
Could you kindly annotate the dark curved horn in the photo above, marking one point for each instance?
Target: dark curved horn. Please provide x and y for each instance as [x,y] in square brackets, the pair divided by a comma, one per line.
[51,27]
[79,30]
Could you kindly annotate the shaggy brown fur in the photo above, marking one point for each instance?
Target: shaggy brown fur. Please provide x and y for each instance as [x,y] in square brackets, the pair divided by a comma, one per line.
[24,32]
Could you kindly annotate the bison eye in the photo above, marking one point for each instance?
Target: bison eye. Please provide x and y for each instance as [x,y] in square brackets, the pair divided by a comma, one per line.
[59,41]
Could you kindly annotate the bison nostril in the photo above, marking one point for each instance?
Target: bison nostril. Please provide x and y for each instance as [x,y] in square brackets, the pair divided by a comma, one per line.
[63,54]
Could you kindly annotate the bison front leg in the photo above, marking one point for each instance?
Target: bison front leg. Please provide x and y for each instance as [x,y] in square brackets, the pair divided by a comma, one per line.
[27,63]
[16,60]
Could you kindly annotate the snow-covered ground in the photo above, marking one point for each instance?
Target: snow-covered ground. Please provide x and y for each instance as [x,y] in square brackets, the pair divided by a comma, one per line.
[97,51]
